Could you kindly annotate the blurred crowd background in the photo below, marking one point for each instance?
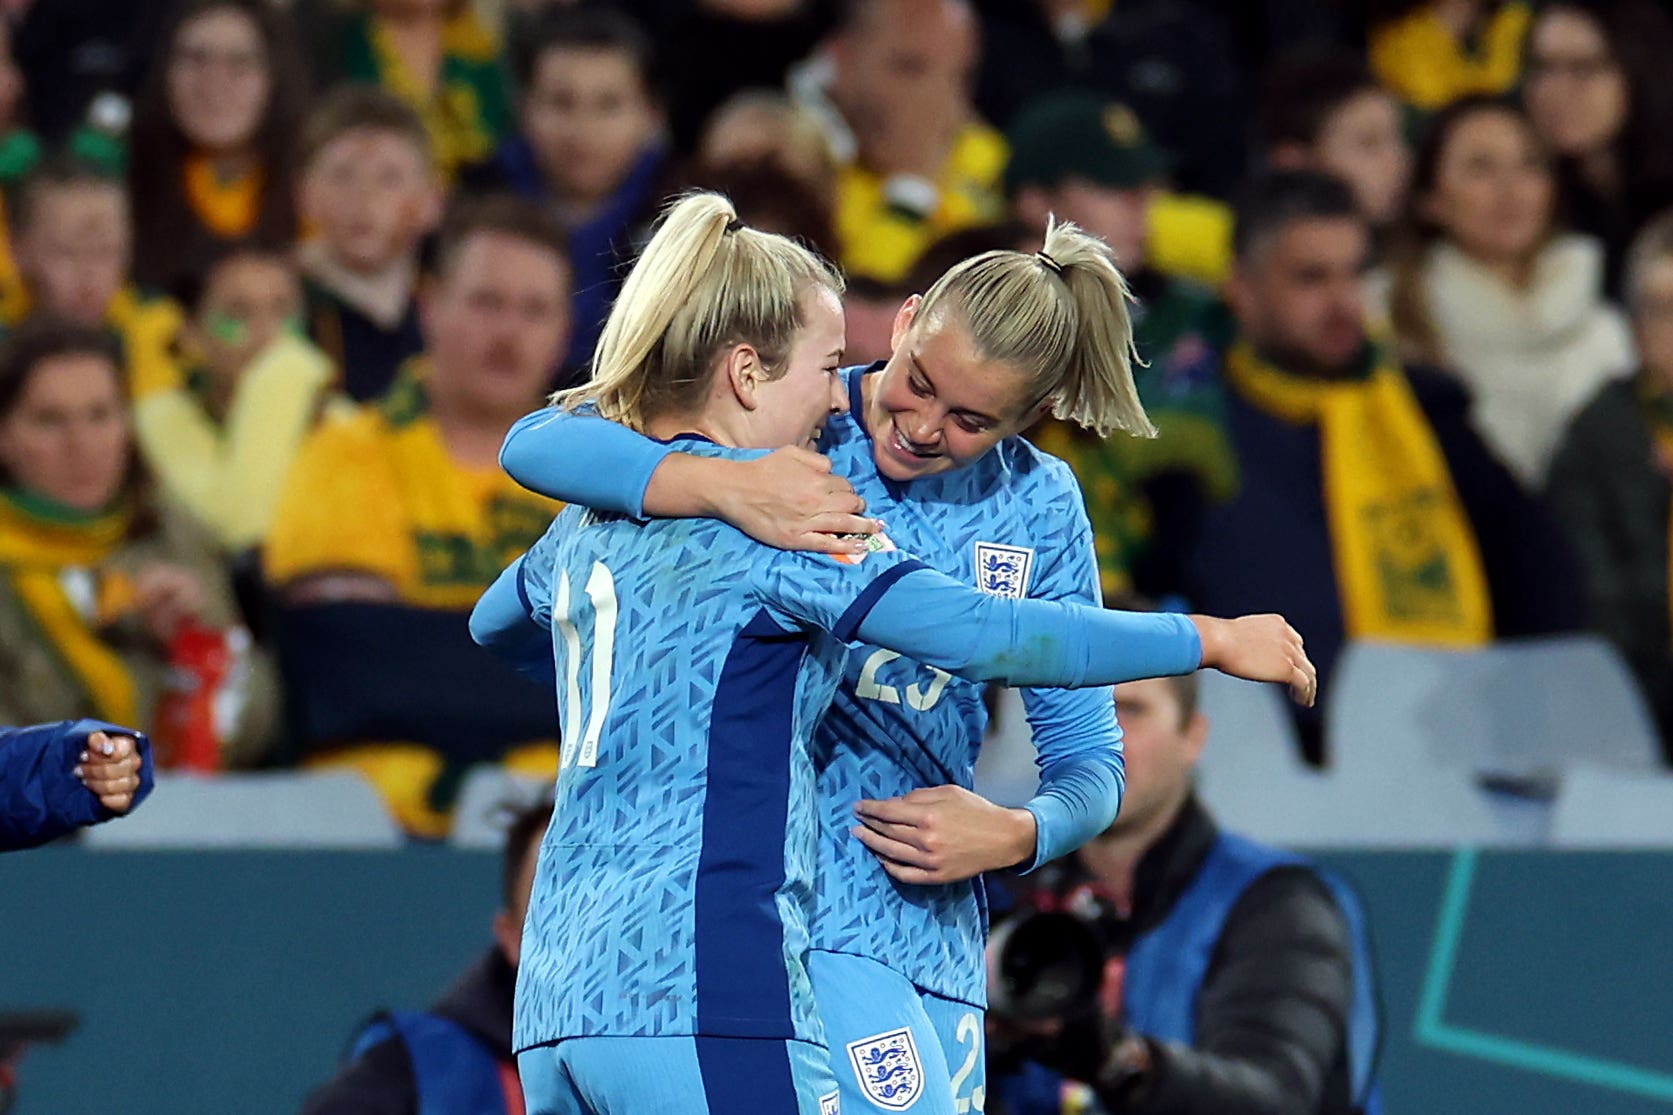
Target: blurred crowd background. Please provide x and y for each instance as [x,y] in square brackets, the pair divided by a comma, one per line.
[276,278]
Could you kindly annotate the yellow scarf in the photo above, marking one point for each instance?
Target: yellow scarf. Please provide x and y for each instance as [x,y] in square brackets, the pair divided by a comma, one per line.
[39,544]
[1407,564]
[880,244]
[1417,58]
[228,209]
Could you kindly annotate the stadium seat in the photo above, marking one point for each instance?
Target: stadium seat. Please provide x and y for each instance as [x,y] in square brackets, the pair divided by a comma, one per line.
[487,798]
[1252,778]
[1602,808]
[1517,711]
[1251,775]
[268,809]
[1251,734]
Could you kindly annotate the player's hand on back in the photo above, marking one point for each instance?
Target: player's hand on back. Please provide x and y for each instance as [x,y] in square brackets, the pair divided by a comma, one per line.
[1259,648]
[791,500]
[941,834]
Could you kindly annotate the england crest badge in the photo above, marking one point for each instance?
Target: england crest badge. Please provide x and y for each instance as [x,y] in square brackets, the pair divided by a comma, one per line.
[830,1104]
[1003,570]
[888,1068]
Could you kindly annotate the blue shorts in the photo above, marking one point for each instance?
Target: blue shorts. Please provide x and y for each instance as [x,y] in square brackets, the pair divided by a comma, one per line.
[895,1046]
[677,1076]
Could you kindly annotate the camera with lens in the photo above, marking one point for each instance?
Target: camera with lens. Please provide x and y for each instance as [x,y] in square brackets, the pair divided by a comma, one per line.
[1043,966]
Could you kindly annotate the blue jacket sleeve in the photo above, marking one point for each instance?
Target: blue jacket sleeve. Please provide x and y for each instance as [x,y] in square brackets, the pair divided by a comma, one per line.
[41,799]
[1077,741]
[507,622]
[582,459]
[938,621]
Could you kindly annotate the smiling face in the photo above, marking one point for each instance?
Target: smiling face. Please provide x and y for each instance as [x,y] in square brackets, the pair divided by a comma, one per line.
[939,404]
[793,408]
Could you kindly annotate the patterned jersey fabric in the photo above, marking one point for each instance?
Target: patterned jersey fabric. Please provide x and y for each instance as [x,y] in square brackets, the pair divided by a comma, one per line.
[1013,524]
[674,885]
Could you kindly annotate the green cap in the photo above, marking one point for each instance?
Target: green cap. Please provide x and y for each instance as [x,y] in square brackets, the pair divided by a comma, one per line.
[1081,135]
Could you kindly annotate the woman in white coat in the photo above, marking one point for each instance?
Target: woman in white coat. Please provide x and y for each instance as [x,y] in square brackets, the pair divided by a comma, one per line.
[1484,284]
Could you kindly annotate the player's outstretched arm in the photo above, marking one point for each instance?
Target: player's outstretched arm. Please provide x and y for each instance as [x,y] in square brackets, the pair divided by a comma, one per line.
[934,619]
[787,499]
[1259,648]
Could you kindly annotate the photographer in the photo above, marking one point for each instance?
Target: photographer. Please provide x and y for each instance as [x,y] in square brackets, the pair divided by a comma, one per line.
[456,1058]
[1234,978]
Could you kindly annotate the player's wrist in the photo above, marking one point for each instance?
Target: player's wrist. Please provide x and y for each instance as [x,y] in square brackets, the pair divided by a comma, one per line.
[688,487]
[1023,838]
[1211,634]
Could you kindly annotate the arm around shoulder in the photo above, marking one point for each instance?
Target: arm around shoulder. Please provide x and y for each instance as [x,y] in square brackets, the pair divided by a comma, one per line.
[581,458]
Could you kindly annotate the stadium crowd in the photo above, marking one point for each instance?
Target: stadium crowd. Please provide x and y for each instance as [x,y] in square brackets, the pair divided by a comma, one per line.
[276,279]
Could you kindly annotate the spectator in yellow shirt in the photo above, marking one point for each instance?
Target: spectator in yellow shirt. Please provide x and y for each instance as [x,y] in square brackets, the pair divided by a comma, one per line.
[894,88]
[395,519]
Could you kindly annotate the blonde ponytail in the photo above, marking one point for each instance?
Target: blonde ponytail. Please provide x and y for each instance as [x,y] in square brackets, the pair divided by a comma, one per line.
[1060,315]
[702,284]
[1097,389]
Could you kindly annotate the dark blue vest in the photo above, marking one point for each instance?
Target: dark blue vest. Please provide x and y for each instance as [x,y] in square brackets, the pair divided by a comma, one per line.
[1166,968]
[454,1072]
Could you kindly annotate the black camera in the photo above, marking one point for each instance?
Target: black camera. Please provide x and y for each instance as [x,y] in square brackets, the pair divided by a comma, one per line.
[1043,966]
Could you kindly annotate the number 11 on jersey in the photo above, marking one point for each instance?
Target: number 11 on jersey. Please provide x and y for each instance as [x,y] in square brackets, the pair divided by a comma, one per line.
[582,749]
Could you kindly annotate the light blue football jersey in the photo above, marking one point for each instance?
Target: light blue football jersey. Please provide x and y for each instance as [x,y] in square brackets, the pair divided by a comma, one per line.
[1014,524]
[674,886]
